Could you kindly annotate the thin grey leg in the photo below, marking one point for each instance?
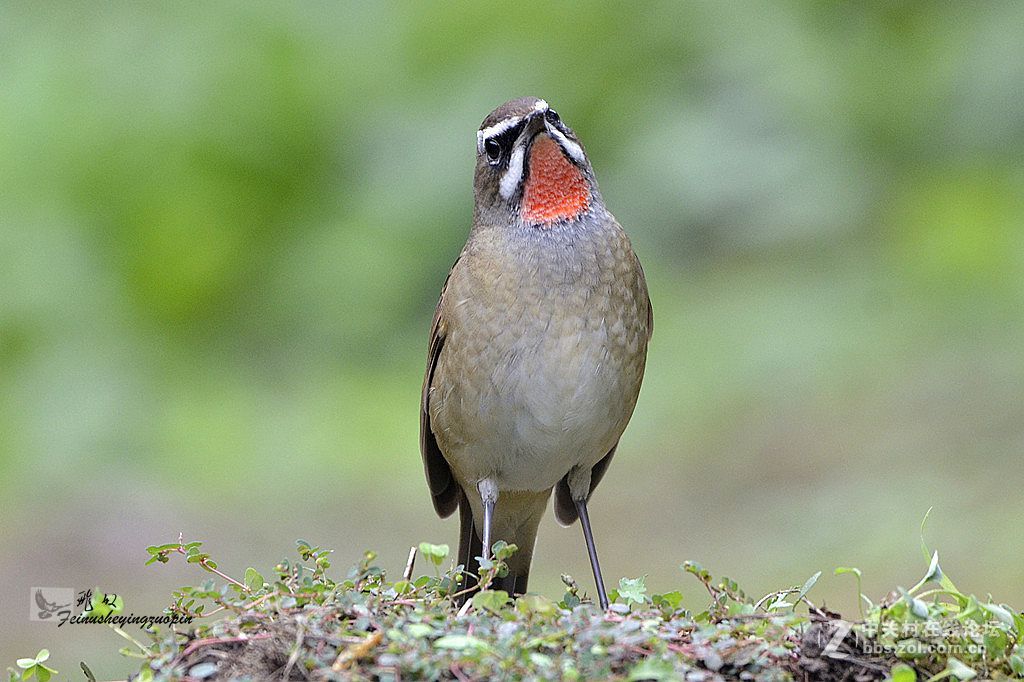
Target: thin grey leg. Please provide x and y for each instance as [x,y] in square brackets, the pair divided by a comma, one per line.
[488,515]
[489,495]
[588,535]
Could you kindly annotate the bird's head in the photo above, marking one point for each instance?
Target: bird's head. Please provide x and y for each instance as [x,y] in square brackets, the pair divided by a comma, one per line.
[531,167]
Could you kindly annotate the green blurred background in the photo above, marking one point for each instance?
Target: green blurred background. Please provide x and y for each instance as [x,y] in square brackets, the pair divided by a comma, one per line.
[223,229]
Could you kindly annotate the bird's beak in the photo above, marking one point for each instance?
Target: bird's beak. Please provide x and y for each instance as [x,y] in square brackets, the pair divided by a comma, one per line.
[535,123]
[571,149]
[538,122]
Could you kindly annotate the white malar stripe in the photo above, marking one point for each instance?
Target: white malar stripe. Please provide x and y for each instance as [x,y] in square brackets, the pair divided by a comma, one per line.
[514,175]
[570,147]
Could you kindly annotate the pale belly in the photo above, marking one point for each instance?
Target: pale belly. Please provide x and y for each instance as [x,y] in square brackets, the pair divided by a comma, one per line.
[539,402]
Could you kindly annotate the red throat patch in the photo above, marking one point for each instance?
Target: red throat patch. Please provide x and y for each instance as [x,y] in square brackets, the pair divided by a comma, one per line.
[555,189]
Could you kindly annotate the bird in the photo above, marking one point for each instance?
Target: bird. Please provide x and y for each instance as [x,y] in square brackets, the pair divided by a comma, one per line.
[47,608]
[537,346]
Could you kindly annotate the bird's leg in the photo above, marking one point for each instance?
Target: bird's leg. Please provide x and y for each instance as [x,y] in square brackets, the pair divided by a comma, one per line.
[579,479]
[489,495]
[488,515]
[588,535]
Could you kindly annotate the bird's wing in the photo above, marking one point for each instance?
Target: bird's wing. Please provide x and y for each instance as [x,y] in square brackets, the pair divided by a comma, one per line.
[42,603]
[650,318]
[647,295]
[443,488]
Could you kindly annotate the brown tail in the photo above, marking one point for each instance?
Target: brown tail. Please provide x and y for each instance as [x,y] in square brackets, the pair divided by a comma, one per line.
[471,547]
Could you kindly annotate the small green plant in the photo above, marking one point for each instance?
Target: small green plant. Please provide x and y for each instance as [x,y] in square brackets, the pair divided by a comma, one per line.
[34,667]
[435,553]
[360,624]
[941,631]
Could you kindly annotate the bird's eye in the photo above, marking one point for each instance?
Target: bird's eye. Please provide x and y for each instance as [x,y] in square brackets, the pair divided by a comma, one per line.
[493,151]
[553,116]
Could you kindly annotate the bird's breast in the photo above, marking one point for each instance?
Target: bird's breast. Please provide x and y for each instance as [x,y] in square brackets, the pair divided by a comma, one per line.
[542,362]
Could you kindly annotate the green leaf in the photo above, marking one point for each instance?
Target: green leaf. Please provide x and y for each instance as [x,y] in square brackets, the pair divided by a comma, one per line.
[43,655]
[461,642]
[1018,624]
[924,545]
[1000,613]
[697,570]
[960,670]
[105,604]
[971,610]
[570,601]
[652,669]
[807,586]
[1017,665]
[253,579]
[502,550]
[995,641]
[916,606]
[633,590]
[540,660]
[436,553]
[491,600]
[672,600]
[158,549]
[934,572]
[902,673]
[535,603]
[944,580]
[26,662]
[42,673]
[419,630]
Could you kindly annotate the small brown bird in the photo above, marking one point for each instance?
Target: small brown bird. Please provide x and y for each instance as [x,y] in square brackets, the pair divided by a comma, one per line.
[538,344]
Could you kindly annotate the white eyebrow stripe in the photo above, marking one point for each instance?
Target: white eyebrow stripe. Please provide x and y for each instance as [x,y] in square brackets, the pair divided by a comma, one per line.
[571,148]
[498,128]
[503,125]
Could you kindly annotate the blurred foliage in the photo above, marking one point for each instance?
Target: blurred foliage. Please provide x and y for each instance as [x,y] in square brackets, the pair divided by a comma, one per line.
[223,229]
